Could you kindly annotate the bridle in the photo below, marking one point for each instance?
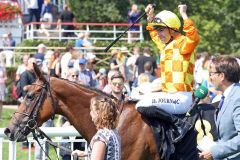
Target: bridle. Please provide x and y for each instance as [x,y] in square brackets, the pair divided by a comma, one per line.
[34,103]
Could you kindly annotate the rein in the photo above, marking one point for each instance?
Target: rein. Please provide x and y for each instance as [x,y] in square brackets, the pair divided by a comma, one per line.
[31,126]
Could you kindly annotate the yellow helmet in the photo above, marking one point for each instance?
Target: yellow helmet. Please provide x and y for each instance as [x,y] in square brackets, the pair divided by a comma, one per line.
[166,19]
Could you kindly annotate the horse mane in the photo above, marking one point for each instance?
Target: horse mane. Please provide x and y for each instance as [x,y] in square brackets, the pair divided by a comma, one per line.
[78,85]
[88,88]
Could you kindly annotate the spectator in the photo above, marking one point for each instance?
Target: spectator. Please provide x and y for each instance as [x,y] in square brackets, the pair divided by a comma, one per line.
[122,59]
[139,65]
[65,60]
[41,52]
[87,43]
[33,10]
[148,70]
[46,16]
[107,89]
[131,63]
[3,78]
[105,144]
[10,42]
[8,53]
[79,42]
[133,15]
[85,76]
[22,67]
[198,70]
[67,17]
[91,67]
[27,77]
[117,86]
[72,75]
[54,64]
[114,65]
[225,74]
[102,81]
[47,11]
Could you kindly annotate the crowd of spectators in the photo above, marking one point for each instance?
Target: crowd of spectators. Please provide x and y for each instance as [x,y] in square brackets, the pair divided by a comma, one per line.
[129,74]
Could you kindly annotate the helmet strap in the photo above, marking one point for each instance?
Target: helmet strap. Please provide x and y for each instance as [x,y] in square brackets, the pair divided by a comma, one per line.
[171,39]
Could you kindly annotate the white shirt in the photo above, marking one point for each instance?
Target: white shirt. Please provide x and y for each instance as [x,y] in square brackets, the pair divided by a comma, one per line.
[33,4]
[64,64]
[228,90]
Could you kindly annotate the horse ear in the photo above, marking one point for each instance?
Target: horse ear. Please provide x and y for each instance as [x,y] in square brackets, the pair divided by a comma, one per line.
[38,72]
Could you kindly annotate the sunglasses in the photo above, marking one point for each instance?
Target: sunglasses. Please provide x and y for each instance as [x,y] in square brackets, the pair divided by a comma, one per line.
[74,76]
[117,84]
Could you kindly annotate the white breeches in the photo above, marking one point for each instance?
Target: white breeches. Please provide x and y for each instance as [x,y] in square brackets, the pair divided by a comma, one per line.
[174,103]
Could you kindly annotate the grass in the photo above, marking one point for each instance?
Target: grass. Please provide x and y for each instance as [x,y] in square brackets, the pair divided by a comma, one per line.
[21,154]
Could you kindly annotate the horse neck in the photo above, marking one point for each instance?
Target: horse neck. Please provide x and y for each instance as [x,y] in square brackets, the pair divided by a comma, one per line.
[74,105]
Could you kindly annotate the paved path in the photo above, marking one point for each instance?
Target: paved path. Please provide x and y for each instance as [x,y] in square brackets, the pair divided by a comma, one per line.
[10,106]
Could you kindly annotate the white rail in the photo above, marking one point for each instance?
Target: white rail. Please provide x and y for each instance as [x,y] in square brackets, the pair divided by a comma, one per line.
[99,31]
[56,132]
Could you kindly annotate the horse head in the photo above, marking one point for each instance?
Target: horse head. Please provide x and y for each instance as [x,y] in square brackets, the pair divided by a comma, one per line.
[30,113]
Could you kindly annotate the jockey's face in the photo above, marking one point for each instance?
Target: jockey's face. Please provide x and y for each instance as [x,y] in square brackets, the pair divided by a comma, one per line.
[164,34]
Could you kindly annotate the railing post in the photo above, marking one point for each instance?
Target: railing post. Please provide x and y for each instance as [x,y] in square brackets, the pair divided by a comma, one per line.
[114,32]
[12,150]
[141,33]
[60,31]
[129,36]
[31,31]
[1,148]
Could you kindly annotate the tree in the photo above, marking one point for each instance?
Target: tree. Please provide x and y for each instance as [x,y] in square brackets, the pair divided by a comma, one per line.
[218,22]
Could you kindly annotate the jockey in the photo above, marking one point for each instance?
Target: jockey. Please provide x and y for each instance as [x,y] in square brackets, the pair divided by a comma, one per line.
[177,65]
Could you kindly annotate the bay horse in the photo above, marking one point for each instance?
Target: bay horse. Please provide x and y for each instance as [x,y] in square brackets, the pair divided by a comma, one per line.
[58,96]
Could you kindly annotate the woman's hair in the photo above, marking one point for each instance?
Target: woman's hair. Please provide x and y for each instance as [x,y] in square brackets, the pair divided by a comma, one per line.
[107,113]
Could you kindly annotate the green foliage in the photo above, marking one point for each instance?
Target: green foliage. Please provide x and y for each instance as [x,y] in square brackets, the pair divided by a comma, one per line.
[218,21]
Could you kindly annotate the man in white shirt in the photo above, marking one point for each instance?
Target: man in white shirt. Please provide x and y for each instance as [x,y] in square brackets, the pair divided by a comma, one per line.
[65,60]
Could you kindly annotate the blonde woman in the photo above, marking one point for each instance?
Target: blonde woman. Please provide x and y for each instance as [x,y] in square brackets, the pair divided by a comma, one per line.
[105,144]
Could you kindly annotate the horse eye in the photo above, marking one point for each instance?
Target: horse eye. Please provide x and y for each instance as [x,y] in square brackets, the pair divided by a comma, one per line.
[30,95]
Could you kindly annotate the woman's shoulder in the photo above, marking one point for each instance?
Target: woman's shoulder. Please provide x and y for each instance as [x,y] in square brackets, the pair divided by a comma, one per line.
[105,134]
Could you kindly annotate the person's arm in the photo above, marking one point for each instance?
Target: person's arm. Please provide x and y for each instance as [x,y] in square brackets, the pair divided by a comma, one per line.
[43,10]
[113,66]
[59,20]
[153,33]
[191,32]
[79,153]
[134,71]
[231,146]
[24,83]
[98,150]
[57,69]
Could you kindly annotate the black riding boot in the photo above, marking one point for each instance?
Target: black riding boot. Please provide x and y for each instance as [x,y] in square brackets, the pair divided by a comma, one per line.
[181,127]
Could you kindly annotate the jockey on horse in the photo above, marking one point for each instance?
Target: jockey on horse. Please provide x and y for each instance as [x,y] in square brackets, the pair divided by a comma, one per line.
[177,64]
